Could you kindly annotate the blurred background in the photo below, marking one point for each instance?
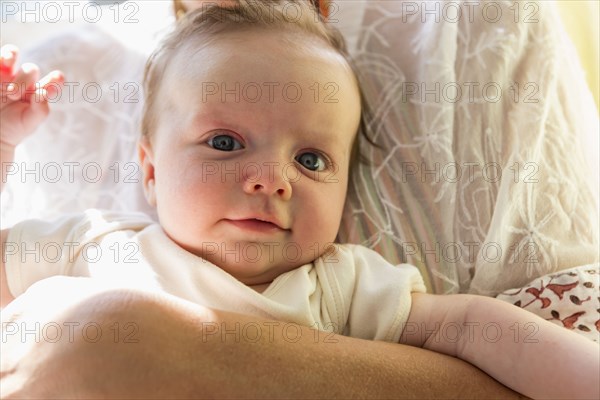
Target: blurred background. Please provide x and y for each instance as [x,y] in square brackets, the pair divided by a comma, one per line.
[137,24]
[581,19]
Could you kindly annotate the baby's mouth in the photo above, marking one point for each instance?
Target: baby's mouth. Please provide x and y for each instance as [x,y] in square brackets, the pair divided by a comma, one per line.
[257,225]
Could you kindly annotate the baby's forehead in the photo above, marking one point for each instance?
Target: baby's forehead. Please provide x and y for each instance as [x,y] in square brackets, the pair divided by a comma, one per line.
[260,54]
[263,81]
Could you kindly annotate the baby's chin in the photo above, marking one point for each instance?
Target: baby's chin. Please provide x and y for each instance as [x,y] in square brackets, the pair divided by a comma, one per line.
[255,263]
[261,271]
[256,272]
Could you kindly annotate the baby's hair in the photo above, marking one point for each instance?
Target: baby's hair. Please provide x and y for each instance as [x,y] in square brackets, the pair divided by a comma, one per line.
[213,21]
[180,9]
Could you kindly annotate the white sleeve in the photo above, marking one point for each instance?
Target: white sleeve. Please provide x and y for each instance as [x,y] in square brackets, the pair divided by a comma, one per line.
[37,249]
[382,296]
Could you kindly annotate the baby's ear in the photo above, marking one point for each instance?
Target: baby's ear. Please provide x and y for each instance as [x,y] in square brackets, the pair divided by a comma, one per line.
[146,157]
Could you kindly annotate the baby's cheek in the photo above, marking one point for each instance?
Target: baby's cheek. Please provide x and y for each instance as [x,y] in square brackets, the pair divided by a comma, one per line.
[218,173]
[316,231]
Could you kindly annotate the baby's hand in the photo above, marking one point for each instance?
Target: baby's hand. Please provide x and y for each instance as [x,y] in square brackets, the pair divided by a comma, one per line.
[23,96]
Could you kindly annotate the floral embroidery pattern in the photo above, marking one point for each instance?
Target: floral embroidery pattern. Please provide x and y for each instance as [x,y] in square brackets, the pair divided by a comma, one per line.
[457,172]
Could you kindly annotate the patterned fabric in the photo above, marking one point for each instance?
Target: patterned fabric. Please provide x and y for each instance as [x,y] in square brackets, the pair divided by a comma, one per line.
[482,181]
[570,298]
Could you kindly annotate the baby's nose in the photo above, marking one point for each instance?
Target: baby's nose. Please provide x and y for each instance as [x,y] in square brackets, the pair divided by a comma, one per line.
[268,179]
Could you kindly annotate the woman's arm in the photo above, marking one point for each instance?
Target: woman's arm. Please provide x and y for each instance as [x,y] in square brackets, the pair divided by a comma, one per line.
[174,349]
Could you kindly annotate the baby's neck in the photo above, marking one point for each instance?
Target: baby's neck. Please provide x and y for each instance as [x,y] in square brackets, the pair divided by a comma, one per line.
[261,287]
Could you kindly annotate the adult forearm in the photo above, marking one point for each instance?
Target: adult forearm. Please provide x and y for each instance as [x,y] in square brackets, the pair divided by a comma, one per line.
[179,350]
[303,365]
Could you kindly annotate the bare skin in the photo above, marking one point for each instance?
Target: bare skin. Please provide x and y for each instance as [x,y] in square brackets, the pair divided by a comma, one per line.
[196,361]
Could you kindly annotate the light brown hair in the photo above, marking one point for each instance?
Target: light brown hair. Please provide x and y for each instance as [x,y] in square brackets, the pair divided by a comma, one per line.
[180,10]
[212,21]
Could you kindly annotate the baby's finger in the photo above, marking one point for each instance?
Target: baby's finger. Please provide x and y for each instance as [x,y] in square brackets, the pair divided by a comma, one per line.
[39,107]
[37,110]
[52,82]
[24,81]
[8,58]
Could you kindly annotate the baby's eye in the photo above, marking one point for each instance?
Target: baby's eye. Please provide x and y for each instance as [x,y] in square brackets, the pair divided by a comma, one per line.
[312,161]
[224,143]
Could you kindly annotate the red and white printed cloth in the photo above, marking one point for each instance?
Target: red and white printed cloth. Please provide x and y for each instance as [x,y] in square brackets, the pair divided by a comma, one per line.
[569,298]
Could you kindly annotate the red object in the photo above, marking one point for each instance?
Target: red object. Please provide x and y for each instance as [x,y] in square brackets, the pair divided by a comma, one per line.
[322,6]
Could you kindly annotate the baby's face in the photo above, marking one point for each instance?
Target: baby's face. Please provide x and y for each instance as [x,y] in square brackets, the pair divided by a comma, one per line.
[248,166]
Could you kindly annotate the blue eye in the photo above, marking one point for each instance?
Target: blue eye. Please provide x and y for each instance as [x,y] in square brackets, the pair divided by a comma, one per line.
[224,143]
[312,161]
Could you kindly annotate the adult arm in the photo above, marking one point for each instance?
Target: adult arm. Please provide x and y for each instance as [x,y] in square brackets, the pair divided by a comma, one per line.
[172,348]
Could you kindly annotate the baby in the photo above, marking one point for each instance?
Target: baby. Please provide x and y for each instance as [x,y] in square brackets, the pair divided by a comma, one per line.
[249,133]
